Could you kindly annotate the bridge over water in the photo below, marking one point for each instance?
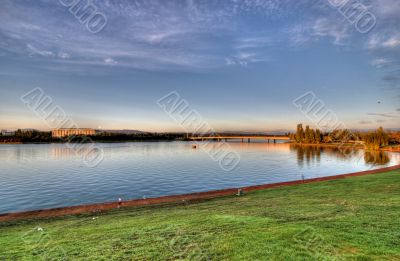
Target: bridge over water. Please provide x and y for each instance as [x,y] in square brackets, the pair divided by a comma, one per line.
[267,138]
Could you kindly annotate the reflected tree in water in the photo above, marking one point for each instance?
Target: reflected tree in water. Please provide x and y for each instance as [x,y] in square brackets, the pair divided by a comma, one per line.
[307,154]
[376,158]
[312,153]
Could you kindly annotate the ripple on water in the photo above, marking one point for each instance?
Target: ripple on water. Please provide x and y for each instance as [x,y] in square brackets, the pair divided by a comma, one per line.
[52,175]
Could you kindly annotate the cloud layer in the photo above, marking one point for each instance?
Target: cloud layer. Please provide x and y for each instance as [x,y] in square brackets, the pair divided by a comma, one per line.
[196,35]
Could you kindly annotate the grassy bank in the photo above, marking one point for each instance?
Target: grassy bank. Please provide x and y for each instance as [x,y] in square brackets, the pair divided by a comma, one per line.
[354,218]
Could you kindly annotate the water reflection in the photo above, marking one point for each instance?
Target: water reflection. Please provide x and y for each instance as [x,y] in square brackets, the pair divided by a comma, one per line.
[376,158]
[309,154]
[62,153]
[306,155]
[18,153]
[53,175]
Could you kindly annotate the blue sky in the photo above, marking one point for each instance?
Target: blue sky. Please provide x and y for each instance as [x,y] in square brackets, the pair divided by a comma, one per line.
[239,63]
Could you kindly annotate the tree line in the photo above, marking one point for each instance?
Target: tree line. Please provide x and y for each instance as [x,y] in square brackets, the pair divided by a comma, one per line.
[34,136]
[31,136]
[307,136]
[372,139]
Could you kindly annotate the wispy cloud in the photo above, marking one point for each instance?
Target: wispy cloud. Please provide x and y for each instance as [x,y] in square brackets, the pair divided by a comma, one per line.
[384,41]
[192,34]
[365,122]
[35,51]
[110,61]
[326,28]
[381,62]
[386,8]
[245,58]
[391,80]
[255,42]
[385,115]
[63,55]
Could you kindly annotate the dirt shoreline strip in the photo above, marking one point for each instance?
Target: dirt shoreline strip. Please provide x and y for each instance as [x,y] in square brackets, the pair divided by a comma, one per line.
[93,208]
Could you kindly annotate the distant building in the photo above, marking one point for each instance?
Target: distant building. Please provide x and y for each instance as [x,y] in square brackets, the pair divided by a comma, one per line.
[59,133]
[7,133]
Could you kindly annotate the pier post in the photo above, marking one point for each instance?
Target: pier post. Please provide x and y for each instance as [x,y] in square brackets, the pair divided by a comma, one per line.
[242,140]
[248,140]
[274,140]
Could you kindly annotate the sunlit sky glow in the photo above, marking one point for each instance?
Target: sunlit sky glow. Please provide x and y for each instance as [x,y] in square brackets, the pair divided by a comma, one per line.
[239,63]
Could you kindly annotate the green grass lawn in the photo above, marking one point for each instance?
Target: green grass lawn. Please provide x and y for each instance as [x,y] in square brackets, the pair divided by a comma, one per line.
[356,218]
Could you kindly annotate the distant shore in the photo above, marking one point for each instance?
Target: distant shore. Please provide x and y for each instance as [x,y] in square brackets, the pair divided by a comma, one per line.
[91,141]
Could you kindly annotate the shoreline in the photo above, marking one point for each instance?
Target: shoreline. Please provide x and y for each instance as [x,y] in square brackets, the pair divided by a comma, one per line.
[183,198]
[94,142]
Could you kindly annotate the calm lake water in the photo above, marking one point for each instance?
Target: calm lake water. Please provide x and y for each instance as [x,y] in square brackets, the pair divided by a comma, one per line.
[52,175]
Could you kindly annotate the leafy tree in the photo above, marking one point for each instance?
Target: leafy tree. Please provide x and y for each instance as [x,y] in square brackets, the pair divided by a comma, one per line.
[377,139]
[300,133]
[309,135]
[318,136]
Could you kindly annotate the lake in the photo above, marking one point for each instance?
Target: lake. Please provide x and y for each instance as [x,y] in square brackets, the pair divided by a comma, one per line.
[38,176]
